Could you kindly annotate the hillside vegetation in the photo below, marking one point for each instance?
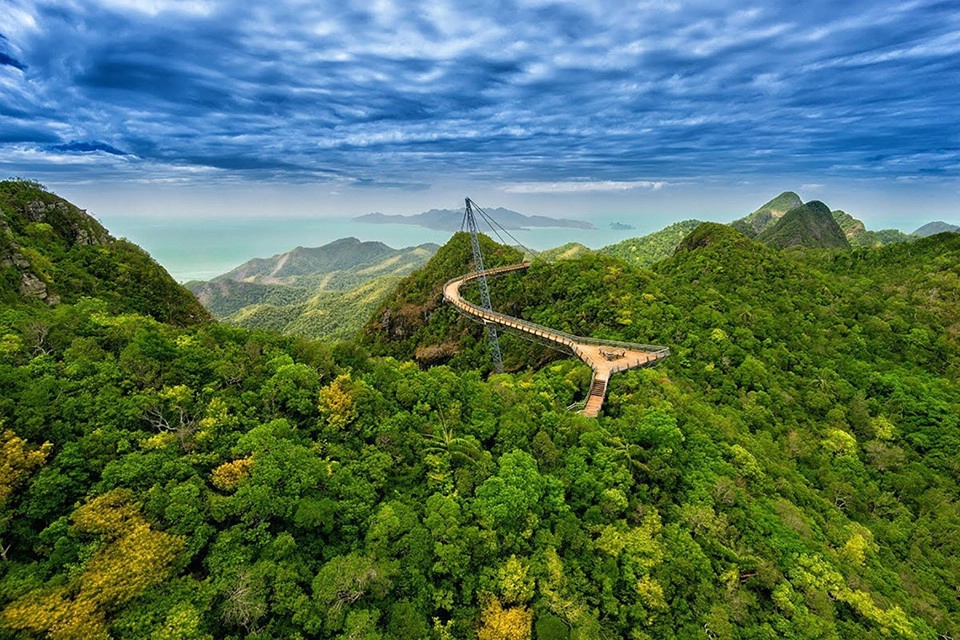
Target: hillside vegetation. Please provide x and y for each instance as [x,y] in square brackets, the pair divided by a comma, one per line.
[341,264]
[413,323]
[51,251]
[791,471]
[331,315]
[564,252]
[858,235]
[823,388]
[646,250]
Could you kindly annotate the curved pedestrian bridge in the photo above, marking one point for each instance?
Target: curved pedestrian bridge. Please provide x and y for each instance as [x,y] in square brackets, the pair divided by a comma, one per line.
[605,357]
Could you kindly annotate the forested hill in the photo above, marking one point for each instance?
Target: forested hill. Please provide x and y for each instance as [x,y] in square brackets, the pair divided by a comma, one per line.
[332,264]
[653,247]
[51,251]
[821,385]
[790,472]
[414,322]
[810,225]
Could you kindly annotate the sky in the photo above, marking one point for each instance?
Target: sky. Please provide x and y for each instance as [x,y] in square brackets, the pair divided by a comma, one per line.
[187,108]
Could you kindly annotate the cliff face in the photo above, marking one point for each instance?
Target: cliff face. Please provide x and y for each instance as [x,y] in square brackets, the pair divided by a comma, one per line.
[850,226]
[51,250]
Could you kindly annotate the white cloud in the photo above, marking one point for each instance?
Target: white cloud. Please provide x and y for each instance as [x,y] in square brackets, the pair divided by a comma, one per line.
[17,21]
[156,7]
[581,187]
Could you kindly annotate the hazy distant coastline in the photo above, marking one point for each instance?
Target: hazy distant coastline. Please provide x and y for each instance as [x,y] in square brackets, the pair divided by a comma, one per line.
[449,220]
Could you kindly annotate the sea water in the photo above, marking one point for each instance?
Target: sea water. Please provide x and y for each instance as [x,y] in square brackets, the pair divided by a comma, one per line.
[202,248]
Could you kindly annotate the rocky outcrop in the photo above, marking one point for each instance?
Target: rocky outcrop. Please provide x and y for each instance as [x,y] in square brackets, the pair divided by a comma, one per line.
[73,224]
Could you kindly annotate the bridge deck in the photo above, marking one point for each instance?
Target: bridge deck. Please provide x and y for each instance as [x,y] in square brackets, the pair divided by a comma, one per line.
[605,357]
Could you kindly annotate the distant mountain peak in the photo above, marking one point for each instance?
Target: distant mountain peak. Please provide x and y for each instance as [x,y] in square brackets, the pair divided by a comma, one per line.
[768,214]
[933,228]
[811,225]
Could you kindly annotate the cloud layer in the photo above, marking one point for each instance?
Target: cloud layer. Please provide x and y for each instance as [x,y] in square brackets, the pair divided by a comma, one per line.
[534,95]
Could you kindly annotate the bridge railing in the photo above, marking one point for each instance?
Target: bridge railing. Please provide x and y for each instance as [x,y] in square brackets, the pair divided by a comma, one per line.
[537,329]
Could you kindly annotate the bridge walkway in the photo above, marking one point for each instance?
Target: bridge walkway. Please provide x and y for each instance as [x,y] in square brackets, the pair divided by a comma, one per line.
[605,357]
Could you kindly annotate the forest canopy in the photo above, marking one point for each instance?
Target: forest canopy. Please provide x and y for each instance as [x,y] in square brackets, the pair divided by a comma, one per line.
[790,472]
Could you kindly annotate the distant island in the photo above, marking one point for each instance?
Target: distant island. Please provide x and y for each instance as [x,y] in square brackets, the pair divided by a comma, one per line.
[449,220]
[620,226]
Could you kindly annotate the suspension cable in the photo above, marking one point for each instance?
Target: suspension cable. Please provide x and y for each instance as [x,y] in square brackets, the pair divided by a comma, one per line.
[491,222]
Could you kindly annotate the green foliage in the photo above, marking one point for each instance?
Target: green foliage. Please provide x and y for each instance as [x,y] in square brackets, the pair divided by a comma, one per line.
[879,238]
[331,315]
[398,328]
[550,627]
[563,252]
[649,249]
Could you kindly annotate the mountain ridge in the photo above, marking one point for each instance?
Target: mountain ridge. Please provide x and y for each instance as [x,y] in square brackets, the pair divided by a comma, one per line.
[932,228]
[326,291]
[343,254]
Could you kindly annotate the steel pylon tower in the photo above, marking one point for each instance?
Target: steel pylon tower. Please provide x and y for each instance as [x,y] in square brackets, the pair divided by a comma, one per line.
[491,328]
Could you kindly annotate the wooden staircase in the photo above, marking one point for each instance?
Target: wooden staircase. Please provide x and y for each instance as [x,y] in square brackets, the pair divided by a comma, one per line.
[598,390]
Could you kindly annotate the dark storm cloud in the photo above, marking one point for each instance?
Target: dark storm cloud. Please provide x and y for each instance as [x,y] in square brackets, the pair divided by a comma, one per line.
[6,58]
[86,147]
[399,94]
[11,62]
